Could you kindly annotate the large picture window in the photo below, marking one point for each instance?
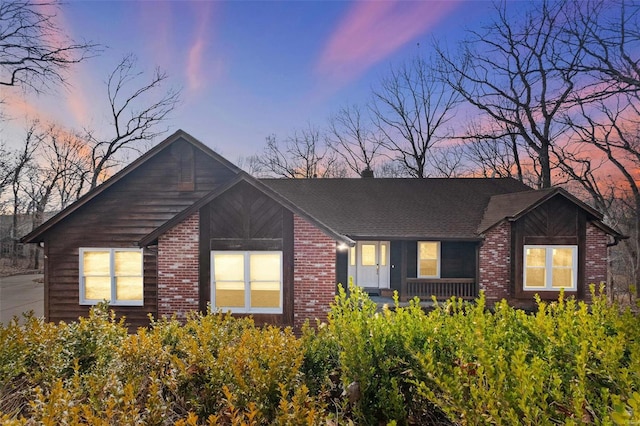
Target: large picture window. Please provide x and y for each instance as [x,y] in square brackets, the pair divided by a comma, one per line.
[111,274]
[247,281]
[429,259]
[550,267]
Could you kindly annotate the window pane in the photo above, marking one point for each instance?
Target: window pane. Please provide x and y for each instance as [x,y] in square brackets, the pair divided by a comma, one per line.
[129,288]
[96,263]
[97,288]
[428,250]
[383,254]
[229,294]
[428,268]
[368,254]
[562,277]
[536,257]
[228,267]
[128,263]
[265,295]
[563,257]
[352,256]
[265,267]
[535,277]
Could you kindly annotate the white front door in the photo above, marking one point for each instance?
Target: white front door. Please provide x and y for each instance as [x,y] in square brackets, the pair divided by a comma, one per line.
[371,264]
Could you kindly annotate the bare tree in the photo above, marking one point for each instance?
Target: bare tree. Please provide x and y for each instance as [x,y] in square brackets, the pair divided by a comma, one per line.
[491,152]
[610,36]
[448,161]
[21,160]
[34,51]
[250,164]
[391,169]
[610,128]
[59,175]
[412,109]
[522,73]
[604,154]
[353,140]
[302,155]
[5,167]
[138,109]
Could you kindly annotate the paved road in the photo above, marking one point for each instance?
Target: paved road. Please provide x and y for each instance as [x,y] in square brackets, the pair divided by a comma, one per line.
[20,293]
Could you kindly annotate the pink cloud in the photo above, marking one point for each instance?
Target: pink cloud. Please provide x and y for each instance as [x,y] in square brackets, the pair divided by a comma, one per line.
[78,106]
[195,71]
[75,75]
[372,30]
[19,107]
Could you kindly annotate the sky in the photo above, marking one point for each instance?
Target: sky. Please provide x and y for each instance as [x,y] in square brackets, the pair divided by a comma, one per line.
[246,69]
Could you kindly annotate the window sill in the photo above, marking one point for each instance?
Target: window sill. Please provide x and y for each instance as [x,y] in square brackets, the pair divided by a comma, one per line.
[248,311]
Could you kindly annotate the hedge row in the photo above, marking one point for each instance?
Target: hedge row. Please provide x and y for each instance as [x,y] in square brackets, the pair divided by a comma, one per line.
[569,363]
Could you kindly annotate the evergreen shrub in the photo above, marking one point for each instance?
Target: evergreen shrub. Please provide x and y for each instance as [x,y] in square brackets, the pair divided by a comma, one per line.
[460,363]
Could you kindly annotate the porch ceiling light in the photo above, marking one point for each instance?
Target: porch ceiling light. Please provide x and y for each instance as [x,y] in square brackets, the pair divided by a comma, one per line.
[341,247]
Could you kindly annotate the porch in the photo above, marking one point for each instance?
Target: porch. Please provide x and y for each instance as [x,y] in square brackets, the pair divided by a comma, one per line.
[441,288]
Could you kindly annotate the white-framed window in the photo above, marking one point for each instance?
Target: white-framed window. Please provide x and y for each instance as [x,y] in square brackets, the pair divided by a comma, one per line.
[429,259]
[247,281]
[111,274]
[550,267]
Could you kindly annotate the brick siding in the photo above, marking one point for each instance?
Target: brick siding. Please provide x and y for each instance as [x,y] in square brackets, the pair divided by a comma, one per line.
[495,263]
[314,267]
[178,269]
[596,258]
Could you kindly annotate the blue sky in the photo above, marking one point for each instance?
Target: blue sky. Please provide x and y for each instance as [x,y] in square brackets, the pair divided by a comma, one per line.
[247,69]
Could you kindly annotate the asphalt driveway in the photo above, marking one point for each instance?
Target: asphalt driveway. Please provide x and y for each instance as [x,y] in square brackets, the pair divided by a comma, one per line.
[21,293]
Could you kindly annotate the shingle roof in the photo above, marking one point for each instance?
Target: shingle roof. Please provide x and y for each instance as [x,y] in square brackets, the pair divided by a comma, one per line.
[510,205]
[397,208]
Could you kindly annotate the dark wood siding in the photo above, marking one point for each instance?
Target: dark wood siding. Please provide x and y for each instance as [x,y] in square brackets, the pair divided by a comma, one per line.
[244,218]
[119,217]
[458,259]
[342,269]
[395,257]
[558,221]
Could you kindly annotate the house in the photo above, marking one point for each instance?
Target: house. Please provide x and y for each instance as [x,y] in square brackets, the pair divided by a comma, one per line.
[181,227]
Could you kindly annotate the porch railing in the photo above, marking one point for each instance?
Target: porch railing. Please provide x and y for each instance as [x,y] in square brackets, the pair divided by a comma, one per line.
[442,288]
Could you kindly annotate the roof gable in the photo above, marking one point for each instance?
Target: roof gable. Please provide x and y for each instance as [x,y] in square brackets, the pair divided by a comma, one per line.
[258,185]
[513,206]
[37,234]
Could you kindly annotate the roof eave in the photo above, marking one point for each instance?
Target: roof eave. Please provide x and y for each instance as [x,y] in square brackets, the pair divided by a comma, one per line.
[362,237]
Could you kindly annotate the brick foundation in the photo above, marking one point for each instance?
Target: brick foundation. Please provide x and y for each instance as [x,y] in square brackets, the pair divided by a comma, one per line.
[314,266]
[178,269]
[495,263]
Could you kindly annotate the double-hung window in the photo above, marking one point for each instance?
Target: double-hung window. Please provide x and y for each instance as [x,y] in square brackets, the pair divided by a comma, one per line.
[111,274]
[550,267]
[429,259]
[247,281]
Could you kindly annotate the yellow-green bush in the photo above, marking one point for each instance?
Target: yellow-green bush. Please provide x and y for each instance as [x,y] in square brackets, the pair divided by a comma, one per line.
[211,370]
[569,363]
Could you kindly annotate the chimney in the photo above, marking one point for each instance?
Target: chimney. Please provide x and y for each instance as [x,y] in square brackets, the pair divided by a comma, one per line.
[366,173]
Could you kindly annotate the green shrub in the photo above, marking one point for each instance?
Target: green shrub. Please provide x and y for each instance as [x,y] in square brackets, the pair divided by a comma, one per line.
[461,363]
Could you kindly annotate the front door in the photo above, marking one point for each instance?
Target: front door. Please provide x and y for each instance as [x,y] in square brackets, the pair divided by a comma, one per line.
[372,264]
